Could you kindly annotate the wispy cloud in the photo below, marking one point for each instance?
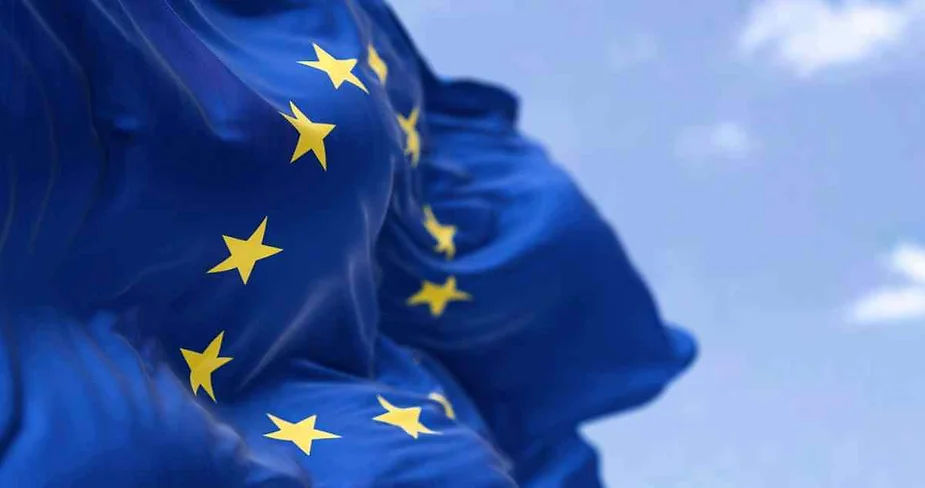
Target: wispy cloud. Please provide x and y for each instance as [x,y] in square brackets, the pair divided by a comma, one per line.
[808,36]
[890,305]
[723,140]
[909,260]
[897,303]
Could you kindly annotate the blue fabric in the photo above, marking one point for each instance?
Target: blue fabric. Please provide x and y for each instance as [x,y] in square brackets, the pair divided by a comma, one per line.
[262,244]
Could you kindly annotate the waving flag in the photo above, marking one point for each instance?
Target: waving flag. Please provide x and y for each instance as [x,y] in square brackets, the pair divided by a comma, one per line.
[261,244]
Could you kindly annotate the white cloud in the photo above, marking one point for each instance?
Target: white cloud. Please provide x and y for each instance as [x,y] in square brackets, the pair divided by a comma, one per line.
[890,305]
[895,304]
[909,260]
[725,140]
[808,36]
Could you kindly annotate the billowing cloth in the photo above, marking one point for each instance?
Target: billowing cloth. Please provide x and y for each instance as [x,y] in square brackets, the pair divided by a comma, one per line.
[261,244]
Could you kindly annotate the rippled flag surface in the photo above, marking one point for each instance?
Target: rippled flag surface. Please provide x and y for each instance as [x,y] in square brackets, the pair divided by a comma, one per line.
[262,244]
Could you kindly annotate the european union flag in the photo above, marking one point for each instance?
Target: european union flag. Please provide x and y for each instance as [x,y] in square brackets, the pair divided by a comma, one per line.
[261,244]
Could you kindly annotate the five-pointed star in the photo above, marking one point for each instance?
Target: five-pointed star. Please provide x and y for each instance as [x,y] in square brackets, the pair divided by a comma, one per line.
[302,433]
[246,253]
[442,400]
[311,135]
[377,64]
[338,70]
[203,364]
[412,137]
[443,234]
[407,419]
[438,296]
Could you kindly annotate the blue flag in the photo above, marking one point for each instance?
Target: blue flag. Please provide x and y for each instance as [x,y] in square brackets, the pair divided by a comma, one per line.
[261,244]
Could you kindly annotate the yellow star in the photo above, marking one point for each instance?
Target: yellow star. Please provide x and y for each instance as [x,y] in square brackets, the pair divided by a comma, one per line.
[407,419]
[245,254]
[437,296]
[302,434]
[311,135]
[412,136]
[443,234]
[203,364]
[338,70]
[447,406]
[377,64]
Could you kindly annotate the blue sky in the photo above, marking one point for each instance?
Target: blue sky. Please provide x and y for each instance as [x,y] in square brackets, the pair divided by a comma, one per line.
[764,162]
